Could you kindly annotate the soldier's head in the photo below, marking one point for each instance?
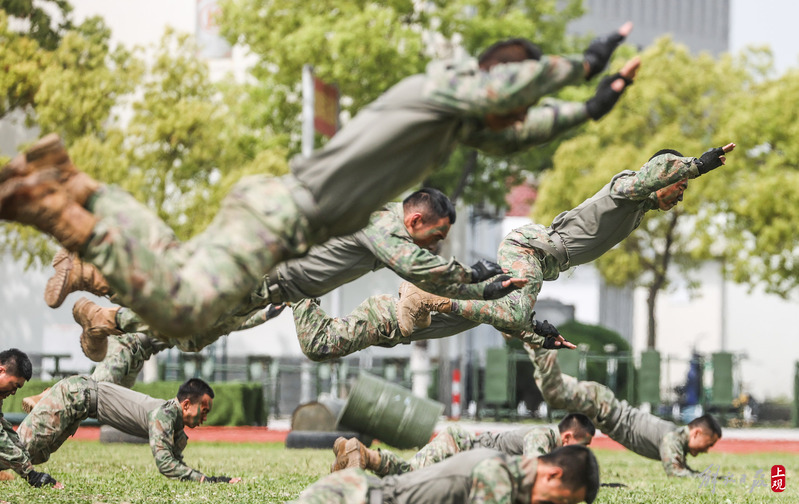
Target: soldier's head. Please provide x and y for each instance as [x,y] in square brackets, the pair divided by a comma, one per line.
[567,475]
[508,51]
[703,432]
[15,370]
[576,428]
[669,196]
[196,399]
[428,216]
[512,50]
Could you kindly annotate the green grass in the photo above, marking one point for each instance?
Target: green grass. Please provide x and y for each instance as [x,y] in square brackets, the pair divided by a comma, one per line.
[97,473]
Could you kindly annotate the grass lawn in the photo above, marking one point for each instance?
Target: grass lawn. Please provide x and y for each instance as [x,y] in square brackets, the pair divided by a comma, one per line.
[98,473]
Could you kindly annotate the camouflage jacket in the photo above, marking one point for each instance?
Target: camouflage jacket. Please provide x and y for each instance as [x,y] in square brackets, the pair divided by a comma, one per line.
[476,476]
[609,216]
[673,448]
[541,440]
[411,129]
[385,242]
[13,454]
[167,442]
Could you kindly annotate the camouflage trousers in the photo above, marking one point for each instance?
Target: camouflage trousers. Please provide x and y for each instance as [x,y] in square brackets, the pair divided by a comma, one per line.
[182,289]
[513,313]
[350,486]
[454,439]
[62,408]
[125,358]
[56,417]
[560,391]
[373,322]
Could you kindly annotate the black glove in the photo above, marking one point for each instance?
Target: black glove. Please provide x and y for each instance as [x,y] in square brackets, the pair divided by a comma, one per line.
[599,51]
[40,479]
[605,97]
[710,160]
[217,479]
[274,310]
[483,270]
[545,329]
[495,290]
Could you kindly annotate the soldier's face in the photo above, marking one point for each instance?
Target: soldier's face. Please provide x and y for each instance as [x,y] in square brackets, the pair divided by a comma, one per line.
[9,383]
[498,122]
[427,235]
[195,414]
[669,196]
[569,438]
[700,441]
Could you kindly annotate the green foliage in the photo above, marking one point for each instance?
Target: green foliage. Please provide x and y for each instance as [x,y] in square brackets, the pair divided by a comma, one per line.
[180,146]
[95,472]
[38,20]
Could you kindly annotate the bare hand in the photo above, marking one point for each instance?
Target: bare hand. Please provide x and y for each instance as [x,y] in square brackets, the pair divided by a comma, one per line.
[563,343]
[626,28]
[517,282]
[58,485]
[234,480]
[628,71]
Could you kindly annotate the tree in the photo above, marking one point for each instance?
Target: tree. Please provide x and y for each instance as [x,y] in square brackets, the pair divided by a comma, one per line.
[678,101]
[366,47]
[179,148]
[755,216]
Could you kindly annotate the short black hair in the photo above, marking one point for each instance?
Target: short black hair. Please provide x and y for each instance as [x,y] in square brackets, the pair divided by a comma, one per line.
[666,151]
[580,468]
[430,202]
[498,52]
[577,423]
[194,389]
[16,363]
[708,423]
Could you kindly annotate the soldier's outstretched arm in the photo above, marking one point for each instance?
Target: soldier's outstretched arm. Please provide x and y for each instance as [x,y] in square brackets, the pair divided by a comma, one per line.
[552,117]
[672,455]
[168,456]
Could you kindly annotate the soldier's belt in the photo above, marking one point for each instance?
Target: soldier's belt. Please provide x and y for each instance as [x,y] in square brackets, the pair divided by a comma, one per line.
[556,249]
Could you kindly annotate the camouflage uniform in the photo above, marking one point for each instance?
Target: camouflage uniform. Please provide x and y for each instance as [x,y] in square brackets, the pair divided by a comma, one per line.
[183,289]
[529,441]
[642,433]
[575,237]
[480,475]
[385,242]
[13,454]
[60,411]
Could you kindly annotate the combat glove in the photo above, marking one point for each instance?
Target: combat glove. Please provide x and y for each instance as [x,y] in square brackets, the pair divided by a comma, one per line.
[599,51]
[549,332]
[274,310]
[710,160]
[217,479]
[606,97]
[495,290]
[40,479]
[483,270]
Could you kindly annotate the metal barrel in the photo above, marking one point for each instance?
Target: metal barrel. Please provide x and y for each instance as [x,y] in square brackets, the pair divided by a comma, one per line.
[390,413]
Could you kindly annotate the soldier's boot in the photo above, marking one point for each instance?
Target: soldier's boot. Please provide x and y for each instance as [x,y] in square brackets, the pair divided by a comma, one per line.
[353,453]
[48,154]
[30,402]
[98,323]
[39,200]
[72,274]
[414,307]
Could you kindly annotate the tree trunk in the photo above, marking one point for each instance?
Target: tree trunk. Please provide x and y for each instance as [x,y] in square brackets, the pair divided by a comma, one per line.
[659,271]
